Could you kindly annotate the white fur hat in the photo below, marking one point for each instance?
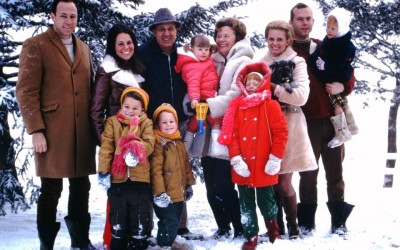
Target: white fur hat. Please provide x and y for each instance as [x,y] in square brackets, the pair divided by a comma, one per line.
[343,18]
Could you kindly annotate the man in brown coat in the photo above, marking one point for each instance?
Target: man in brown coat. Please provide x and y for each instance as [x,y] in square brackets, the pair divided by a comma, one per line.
[53,92]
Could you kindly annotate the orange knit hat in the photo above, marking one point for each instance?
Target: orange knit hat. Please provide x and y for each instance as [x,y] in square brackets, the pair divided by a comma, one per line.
[164,107]
[140,92]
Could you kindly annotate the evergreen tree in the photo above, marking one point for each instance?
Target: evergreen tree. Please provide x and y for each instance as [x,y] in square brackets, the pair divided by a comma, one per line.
[95,19]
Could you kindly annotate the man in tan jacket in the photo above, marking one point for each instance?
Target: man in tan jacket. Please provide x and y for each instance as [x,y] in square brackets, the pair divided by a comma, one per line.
[53,92]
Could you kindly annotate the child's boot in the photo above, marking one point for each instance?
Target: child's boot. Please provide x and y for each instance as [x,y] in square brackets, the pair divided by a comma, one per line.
[250,243]
[272,230]
[351,124]
[189,137]
[342,133]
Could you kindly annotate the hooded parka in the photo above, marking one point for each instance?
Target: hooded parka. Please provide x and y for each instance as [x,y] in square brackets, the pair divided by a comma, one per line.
[259,129]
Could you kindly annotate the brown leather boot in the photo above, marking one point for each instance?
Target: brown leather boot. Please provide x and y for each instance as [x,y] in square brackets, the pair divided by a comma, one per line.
[273,230]
[279,215]
[250,243]
[290,207]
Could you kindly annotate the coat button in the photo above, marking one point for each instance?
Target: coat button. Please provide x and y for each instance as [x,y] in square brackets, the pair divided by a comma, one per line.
[244,138]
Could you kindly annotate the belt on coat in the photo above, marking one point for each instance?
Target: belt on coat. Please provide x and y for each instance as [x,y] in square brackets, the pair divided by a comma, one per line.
[290,108]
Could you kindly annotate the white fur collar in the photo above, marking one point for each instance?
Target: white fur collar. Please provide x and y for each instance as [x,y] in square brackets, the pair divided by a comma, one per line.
[125,77]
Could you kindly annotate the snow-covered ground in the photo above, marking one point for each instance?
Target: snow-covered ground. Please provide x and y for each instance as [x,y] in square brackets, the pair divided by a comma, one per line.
[373,224]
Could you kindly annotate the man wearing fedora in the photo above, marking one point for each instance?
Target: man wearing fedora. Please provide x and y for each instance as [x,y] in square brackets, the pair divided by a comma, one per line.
[163,84]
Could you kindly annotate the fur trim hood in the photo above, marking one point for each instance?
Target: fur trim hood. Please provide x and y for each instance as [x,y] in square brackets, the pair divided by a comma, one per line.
[125,77]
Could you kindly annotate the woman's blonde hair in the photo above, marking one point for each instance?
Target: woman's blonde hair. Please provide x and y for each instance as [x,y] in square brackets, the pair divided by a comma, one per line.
[280,25]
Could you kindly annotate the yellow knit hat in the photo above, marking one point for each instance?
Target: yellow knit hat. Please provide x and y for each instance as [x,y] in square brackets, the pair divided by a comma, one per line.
[140,92]
[164,107]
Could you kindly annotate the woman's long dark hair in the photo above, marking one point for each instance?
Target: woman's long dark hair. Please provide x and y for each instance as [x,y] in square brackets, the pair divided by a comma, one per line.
[133,64]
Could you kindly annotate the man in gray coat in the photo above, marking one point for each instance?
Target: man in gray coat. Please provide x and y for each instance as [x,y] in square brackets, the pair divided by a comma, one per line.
[53,92]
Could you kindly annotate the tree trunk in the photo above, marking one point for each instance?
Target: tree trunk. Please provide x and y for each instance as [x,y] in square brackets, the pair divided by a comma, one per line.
[392,138]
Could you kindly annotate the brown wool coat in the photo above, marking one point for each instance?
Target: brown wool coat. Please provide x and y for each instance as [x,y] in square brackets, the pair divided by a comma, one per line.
[54,96]
[170,170]
[109,141]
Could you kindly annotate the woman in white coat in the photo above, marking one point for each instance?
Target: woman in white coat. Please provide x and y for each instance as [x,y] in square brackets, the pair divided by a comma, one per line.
[234,52]
[298,154]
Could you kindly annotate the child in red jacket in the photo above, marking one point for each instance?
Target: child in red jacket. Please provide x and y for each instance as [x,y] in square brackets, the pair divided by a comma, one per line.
[198,71]
[255,130]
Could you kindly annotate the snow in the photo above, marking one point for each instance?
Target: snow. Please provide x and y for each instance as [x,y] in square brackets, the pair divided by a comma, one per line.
[373,224]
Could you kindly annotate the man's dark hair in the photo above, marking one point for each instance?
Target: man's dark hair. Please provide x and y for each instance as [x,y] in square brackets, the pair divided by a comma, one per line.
[297,6]
[133,63]
[56,2]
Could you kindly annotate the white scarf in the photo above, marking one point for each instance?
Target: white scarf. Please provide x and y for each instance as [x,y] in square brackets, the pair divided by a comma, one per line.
[125,77]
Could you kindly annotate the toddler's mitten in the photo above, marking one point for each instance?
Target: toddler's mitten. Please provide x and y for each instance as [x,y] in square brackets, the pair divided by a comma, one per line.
[188,192]
[162,200]
[240,166]
[104,180]
[273,165]
[131,160]
[320,64]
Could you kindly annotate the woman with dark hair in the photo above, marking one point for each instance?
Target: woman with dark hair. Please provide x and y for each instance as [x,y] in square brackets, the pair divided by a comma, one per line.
[119,69]
[233,53]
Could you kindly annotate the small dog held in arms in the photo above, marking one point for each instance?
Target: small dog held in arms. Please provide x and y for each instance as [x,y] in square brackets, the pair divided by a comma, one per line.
[282,74]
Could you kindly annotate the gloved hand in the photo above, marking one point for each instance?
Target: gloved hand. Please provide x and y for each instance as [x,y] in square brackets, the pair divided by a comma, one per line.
[131,160]
[240,166]
[273,165]
[162,200]
[188,192]
[320,64]
[104,180]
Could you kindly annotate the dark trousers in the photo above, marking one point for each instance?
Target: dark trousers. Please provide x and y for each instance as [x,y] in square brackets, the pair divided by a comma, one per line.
[321,131]
[129,208]
[50,192]
[168,223]
[221,193]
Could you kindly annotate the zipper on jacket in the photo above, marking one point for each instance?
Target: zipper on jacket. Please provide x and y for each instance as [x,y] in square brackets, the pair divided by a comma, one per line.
[170,77]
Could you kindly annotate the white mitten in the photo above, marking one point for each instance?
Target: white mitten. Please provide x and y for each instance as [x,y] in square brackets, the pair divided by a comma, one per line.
[162,200]
[273,165]
[131,160]
[320,64]
[240,166]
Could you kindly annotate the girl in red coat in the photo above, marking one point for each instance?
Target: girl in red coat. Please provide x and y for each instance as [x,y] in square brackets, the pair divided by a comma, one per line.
[198,71]
[255,130]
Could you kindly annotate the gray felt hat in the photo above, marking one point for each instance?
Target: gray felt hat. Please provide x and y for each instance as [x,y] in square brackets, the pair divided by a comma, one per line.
[164,15]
